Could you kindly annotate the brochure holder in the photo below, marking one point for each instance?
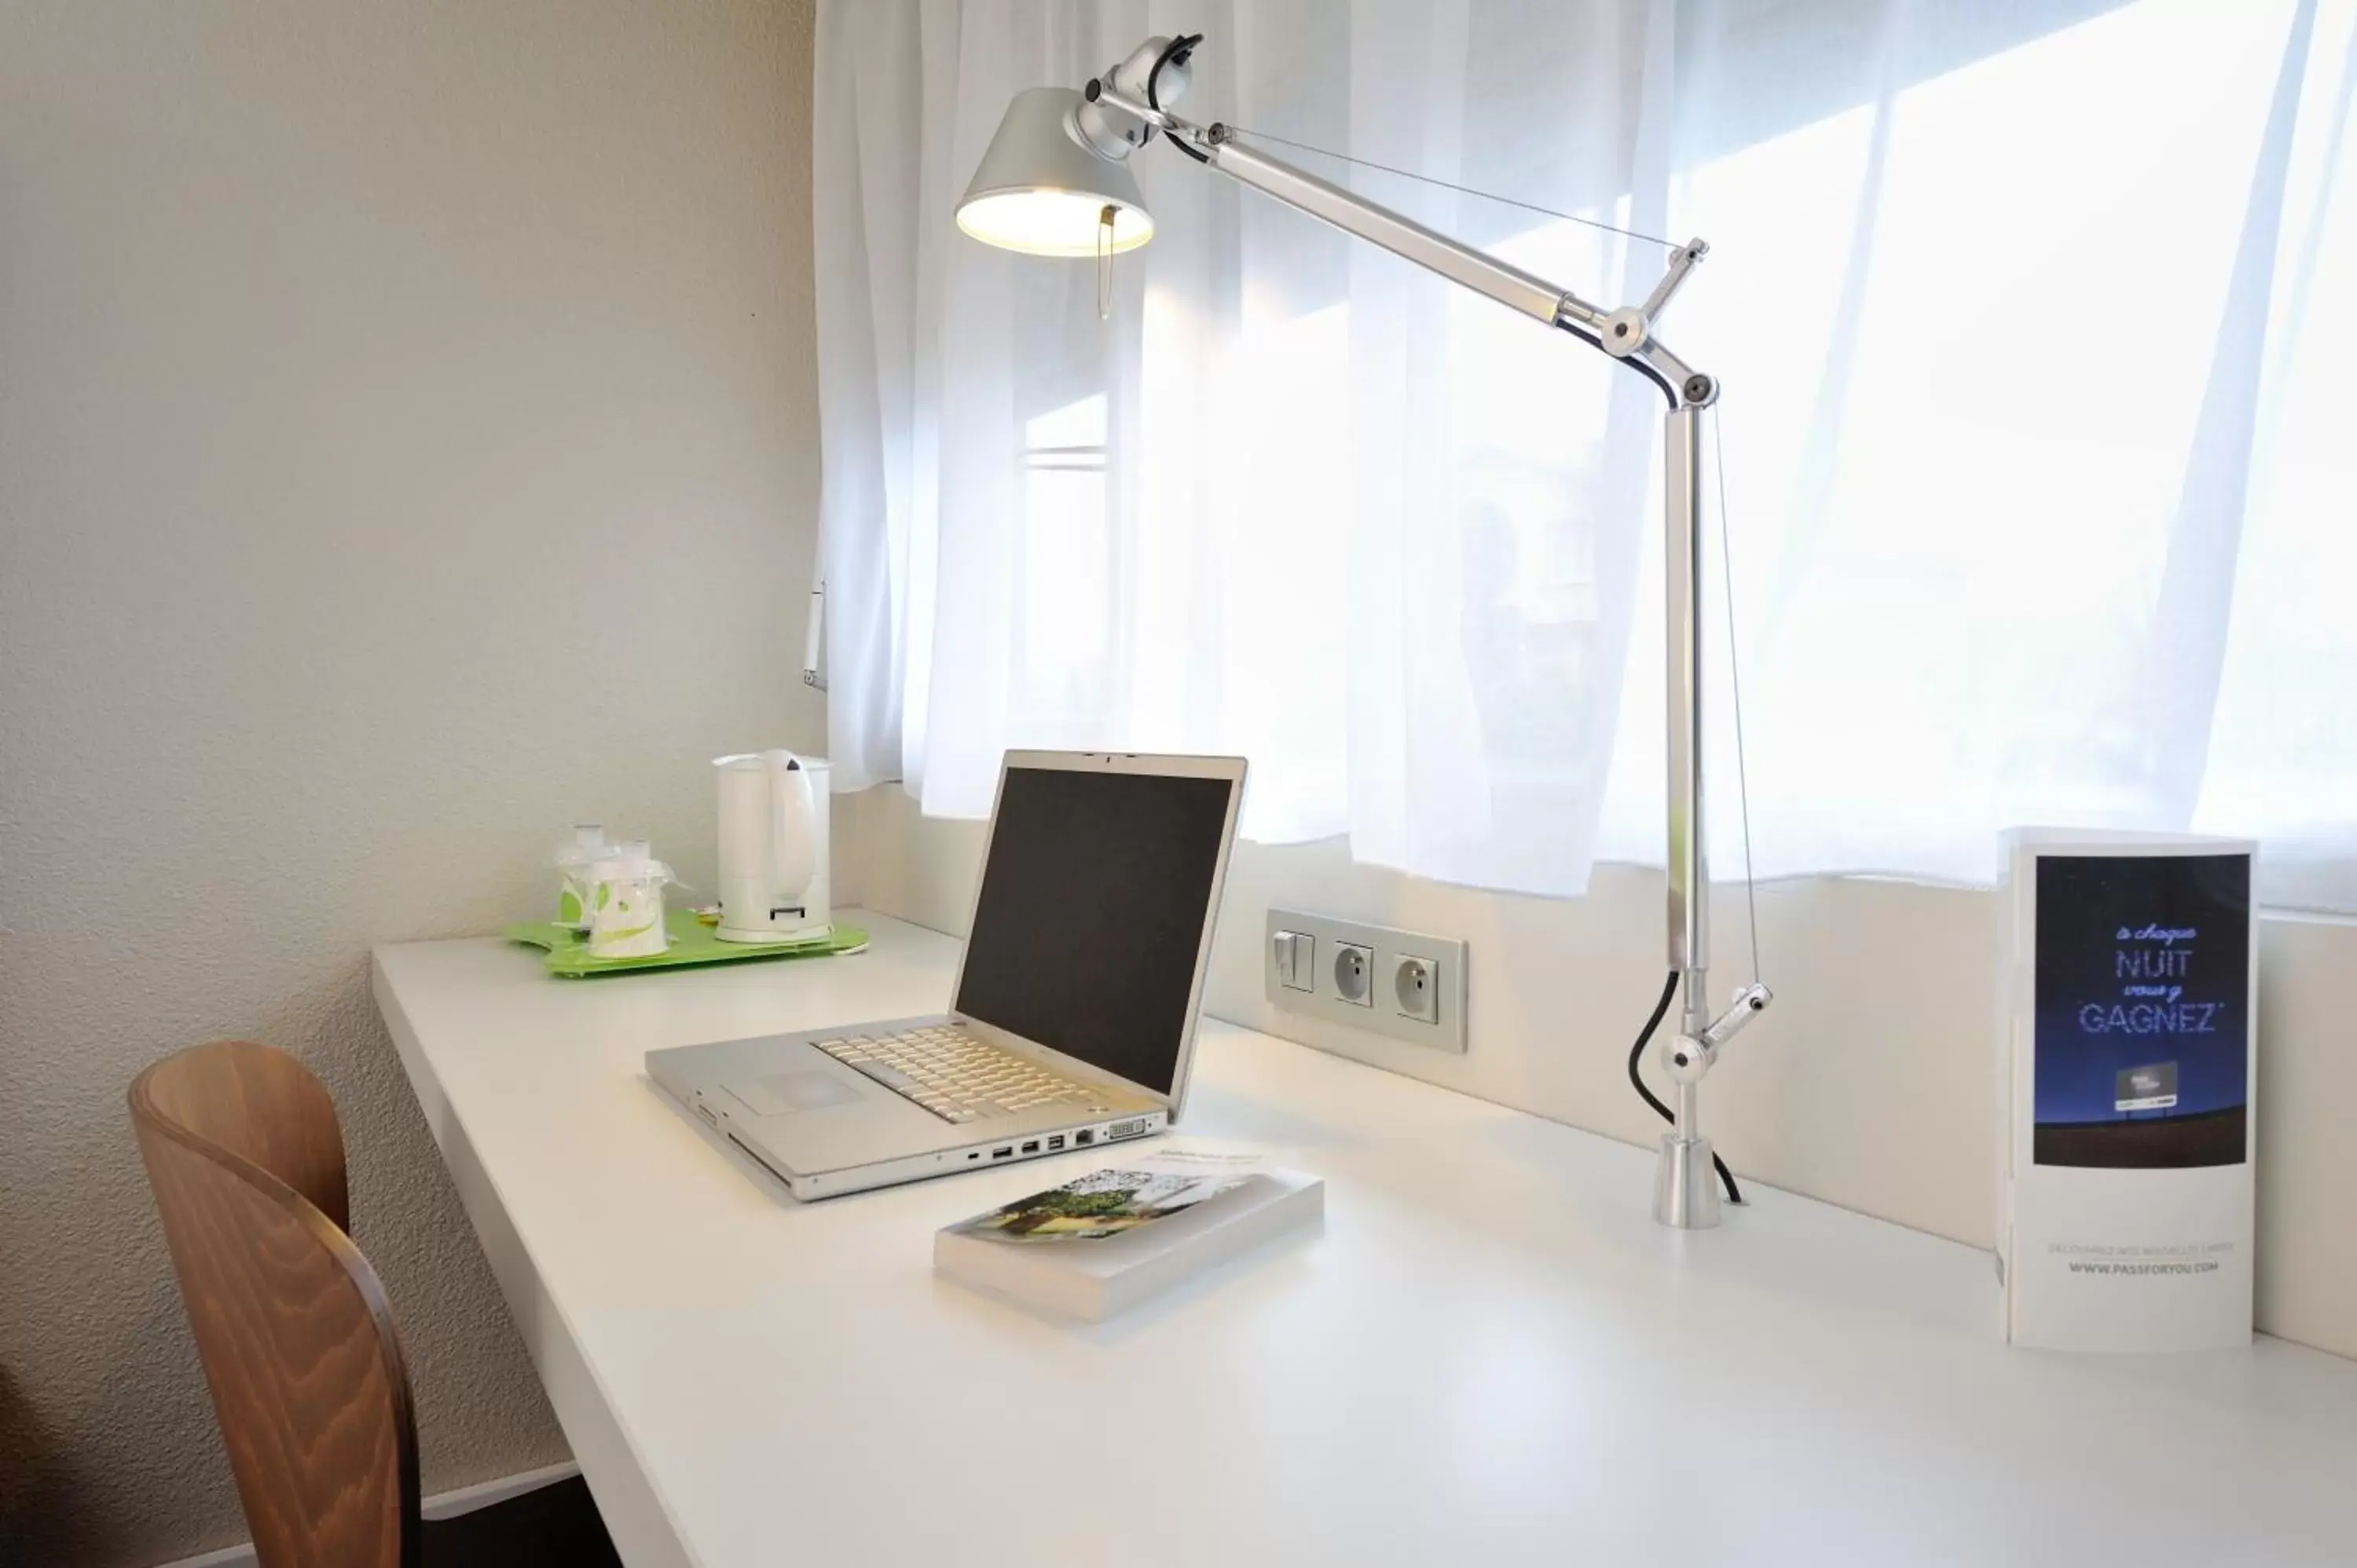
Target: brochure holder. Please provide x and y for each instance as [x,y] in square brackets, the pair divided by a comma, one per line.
[2127,1078]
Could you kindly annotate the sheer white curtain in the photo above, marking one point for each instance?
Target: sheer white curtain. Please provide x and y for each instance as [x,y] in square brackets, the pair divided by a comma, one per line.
[2031,318]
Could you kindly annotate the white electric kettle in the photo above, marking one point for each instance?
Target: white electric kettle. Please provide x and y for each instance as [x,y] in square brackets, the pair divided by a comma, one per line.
[773,848]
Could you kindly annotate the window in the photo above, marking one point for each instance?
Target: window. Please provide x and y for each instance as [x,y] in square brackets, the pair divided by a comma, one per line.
[2032,436]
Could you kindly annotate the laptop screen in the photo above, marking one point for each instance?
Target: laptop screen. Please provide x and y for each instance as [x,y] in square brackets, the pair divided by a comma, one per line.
[1093,910]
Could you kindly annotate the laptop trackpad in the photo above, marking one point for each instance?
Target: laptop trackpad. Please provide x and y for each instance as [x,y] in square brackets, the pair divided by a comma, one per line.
[792,1093]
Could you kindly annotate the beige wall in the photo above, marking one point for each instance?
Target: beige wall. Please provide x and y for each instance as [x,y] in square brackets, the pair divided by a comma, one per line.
[1869,1084]
[407,445]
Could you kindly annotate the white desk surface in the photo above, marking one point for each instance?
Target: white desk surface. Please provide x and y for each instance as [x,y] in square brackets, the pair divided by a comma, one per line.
[1489,1354]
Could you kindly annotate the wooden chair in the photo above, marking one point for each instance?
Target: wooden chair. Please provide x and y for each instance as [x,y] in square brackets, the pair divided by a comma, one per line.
[247,1164]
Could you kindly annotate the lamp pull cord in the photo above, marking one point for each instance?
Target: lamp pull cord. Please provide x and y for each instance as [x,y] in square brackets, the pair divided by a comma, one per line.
[1104,264]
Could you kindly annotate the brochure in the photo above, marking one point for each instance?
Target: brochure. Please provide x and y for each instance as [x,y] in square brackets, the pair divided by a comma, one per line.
[1112,1202]
[1103,1242]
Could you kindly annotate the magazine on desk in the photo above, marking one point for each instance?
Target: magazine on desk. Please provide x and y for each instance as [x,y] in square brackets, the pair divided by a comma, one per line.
[1105,1242]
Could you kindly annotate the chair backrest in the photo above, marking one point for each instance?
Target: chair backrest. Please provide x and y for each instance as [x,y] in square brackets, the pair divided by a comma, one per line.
[247,1164]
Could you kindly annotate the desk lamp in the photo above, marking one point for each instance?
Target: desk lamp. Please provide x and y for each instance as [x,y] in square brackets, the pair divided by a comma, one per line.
[1056,182]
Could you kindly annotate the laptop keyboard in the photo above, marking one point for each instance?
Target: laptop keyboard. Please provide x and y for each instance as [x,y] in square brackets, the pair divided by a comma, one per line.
[959,1077]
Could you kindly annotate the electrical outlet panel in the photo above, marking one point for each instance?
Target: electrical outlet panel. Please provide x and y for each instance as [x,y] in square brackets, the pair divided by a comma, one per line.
[1404,984]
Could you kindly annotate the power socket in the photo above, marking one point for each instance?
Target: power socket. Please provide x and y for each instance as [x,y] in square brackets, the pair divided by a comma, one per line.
[1353,976]
[1415,989]
[1404,984]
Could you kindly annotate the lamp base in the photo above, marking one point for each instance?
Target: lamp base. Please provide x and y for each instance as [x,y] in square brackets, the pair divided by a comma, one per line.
[1686,1186]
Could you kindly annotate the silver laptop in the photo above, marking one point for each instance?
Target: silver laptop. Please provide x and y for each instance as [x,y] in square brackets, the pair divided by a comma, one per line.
[1074,1018]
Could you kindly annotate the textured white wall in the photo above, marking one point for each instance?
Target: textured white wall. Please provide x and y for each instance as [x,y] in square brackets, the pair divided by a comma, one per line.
[407,445]
[1869,1084]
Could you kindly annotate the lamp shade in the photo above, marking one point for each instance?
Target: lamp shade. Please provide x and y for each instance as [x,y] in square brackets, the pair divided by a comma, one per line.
[1040,191]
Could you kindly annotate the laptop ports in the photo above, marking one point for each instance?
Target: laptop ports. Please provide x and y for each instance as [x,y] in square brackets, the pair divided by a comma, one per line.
[1002,1151]
[1054,1143]
[1085,1137]
[1032,1147]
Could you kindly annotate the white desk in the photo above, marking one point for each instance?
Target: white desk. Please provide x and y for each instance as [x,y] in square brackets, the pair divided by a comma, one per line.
[1489,1354]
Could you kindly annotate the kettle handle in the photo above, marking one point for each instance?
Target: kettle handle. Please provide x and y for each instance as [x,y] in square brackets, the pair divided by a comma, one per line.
[793,825]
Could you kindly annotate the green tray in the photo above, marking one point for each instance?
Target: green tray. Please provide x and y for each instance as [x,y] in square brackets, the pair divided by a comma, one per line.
[691,943]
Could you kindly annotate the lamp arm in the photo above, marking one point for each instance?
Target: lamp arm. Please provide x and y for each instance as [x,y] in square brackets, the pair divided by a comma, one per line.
[1626,334]
[1684,1194]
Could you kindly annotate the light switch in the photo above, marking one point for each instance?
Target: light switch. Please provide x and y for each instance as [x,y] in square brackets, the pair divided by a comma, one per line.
[1297,952]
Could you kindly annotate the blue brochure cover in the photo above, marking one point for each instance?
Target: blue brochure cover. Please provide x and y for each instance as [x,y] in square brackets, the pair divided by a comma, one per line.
[2142,1010]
